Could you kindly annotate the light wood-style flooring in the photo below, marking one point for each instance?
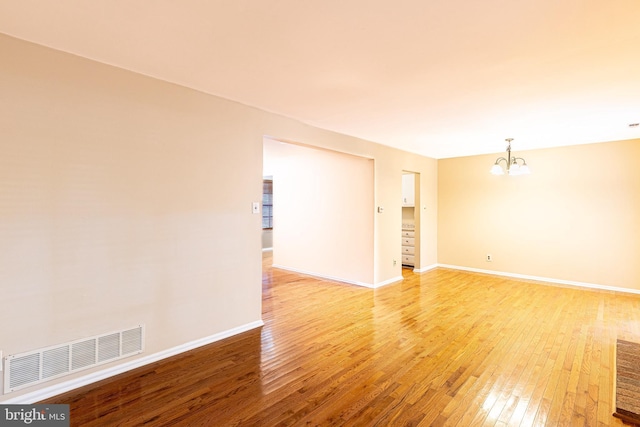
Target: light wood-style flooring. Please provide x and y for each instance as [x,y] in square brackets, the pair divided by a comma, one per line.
[440,348]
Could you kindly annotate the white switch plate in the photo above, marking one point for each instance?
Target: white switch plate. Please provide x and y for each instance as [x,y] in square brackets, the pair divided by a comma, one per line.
[255,206]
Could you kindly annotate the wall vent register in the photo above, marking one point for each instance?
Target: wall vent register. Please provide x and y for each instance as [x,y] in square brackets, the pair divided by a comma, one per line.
[45,364]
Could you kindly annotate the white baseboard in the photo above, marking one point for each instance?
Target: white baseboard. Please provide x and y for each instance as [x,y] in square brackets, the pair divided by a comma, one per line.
[388,282]
[54,390]
[475,270]
[427,268]
[338,279]
[323,276]
[544,279]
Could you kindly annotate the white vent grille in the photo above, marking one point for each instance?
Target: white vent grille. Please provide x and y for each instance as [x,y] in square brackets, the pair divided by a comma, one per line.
[108,347]
[84,354]
[55,361]
[131,341]
[33,367]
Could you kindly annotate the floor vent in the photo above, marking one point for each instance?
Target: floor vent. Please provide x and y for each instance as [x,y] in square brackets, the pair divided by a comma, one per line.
[34,367]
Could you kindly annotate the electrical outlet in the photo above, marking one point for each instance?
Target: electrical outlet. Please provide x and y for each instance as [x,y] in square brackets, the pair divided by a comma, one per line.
[489,258]
[395,262]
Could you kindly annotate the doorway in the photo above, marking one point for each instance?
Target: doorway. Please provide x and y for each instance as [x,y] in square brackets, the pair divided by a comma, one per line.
[323,221]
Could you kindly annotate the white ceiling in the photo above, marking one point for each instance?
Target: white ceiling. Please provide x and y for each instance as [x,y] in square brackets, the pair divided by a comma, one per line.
[439,78]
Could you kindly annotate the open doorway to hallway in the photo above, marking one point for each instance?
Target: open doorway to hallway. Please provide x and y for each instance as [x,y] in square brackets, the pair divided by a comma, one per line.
[323,211]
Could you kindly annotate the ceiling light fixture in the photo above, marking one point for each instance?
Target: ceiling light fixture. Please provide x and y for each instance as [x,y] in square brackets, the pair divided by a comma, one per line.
[511,162]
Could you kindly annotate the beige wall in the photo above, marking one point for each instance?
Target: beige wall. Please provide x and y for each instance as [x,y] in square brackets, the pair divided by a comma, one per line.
[117,196]
[323,212]
[575,218]
[388,185]
[127,200]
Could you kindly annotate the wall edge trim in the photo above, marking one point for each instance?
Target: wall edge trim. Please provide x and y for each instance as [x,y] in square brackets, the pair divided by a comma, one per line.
[544,279]
[56,389]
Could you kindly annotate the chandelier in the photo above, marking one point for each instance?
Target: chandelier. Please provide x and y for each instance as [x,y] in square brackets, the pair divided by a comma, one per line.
[511,163]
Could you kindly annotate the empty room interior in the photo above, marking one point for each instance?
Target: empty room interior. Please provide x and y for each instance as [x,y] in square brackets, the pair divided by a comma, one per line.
[321,213]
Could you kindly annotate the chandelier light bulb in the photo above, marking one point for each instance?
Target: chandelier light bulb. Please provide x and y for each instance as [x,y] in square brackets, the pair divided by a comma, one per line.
[497,170]
[514,169]
[511,165]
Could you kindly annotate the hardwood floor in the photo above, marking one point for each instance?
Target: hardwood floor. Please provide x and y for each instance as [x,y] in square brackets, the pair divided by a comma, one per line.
[440,348]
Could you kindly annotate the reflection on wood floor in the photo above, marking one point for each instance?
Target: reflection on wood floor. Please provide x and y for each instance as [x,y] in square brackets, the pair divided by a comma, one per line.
[439,348]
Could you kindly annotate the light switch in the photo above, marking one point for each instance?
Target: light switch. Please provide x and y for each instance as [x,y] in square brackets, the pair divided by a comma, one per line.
[255,206]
